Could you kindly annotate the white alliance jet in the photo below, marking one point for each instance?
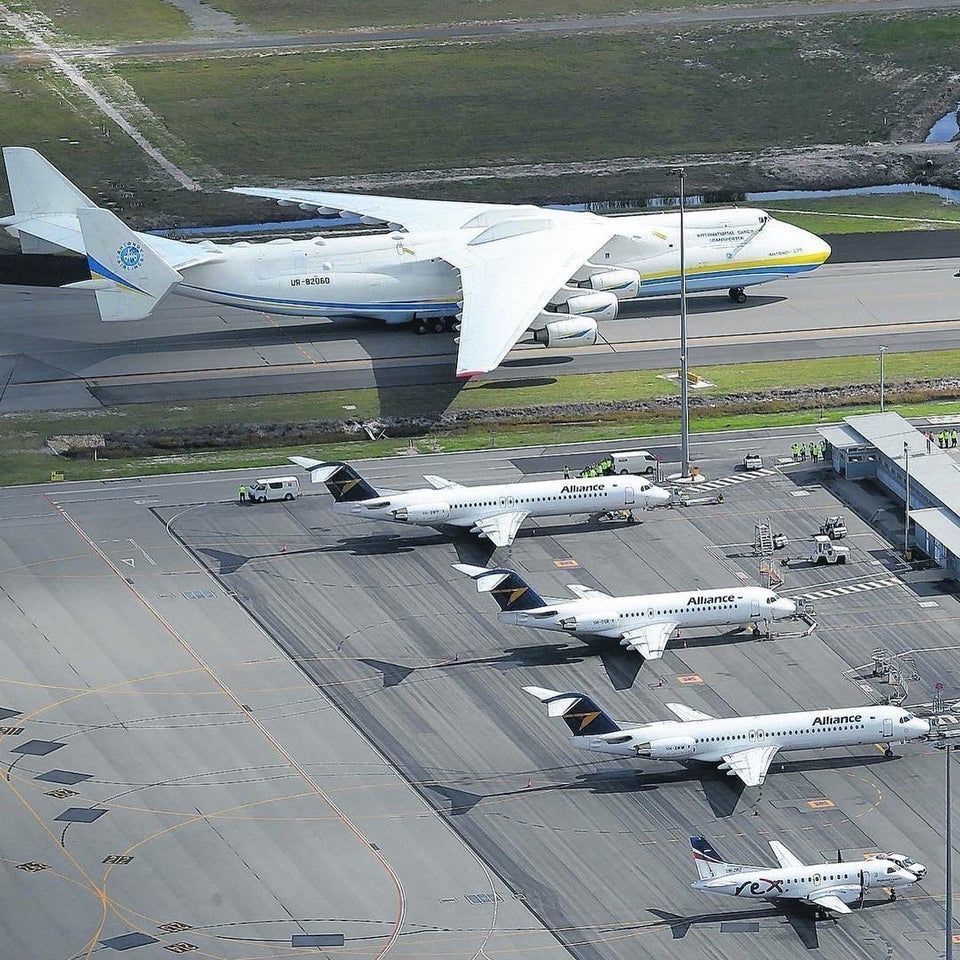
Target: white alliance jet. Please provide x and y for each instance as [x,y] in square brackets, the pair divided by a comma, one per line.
[497,269]
[742,746]
[643,624]
[828,887]
[494,511]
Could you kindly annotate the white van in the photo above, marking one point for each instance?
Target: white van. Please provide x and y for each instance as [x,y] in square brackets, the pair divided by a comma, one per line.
[634,461]
[273,488]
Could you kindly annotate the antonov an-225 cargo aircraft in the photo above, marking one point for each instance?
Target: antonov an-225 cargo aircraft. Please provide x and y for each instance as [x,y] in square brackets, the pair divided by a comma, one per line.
[497,269]
[743,746]
[494,511]
[642,624]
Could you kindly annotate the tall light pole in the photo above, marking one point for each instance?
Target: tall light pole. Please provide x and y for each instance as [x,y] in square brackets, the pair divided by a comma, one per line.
[684,400]
[949,833]
[906,502]
[882,351]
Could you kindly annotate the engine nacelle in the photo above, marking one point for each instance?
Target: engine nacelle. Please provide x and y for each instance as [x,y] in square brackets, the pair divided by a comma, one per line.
[423,513]
[669,748]
[571,332]
[623,283]
[596,622]
[599,306]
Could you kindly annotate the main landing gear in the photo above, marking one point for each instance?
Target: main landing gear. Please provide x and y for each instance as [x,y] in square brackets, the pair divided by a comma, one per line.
[737,295]
[425,325]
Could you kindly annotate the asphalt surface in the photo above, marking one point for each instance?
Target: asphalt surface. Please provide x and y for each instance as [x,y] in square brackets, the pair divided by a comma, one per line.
[491,29]
[55,353]
[250,789]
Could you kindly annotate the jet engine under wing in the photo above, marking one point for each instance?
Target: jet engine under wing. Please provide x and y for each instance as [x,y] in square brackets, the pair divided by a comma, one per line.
[508,274]
[750,765]
[651,641]
[501,529]
[828,901]
[402,211]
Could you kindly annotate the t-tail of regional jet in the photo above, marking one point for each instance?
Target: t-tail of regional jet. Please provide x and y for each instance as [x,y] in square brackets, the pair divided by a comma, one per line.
[343,482]
[507,587]
[582,715]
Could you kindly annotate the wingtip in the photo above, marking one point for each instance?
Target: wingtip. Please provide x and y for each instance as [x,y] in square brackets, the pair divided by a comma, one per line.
[541,693]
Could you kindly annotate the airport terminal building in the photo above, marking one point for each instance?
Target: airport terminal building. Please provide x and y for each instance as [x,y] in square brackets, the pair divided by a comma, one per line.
[884,447]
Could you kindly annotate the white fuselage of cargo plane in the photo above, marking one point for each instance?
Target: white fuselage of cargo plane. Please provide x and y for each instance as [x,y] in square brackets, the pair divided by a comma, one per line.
[499,270]
[402,276]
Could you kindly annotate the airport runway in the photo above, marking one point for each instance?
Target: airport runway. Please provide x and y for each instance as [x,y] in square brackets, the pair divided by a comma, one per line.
[394,785]
[55,353]
[244,42]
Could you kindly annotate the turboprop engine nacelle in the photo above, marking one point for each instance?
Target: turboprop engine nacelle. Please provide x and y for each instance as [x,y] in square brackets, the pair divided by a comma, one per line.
[623,284]
[571,332]
[669,748]
[423,513]
[600,306]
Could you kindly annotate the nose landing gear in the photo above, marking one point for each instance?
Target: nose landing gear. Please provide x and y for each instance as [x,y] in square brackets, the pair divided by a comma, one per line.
[737,295]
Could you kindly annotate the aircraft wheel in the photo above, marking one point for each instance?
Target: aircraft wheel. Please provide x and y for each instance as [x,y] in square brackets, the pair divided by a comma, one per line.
[888,753]
[737,295]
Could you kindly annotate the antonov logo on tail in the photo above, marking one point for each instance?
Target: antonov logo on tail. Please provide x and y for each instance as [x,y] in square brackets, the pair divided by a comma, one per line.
[130,256]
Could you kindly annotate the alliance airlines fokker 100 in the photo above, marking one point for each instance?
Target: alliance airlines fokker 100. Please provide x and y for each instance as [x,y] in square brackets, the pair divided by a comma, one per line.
[494,511]
[643,624]
[498,269]
[828,887]
[743,746]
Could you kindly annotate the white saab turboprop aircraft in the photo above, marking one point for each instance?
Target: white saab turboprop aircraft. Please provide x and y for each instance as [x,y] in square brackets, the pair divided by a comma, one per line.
[497,269]
[742,746]
[494,511]
[642,624]
[827,887]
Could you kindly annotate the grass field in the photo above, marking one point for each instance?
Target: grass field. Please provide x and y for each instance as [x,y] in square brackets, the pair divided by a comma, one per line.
[563,99]
[852,214]
[23,436]
[297,16]
[32,467]
[104,21]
